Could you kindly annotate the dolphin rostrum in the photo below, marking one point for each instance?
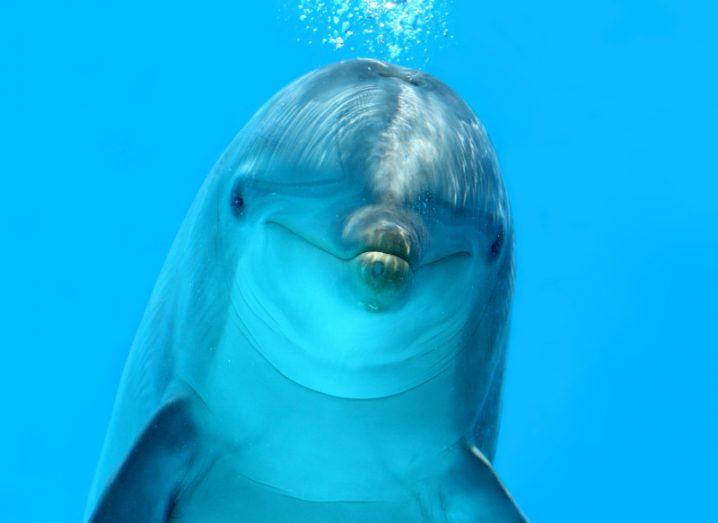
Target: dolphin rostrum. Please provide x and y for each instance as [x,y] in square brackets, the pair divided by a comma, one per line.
[326,341]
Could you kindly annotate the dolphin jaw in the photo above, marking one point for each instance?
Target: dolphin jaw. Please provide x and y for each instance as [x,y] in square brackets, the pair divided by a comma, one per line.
[382,279]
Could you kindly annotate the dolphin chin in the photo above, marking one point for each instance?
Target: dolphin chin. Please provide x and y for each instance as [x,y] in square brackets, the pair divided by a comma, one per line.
[382,279]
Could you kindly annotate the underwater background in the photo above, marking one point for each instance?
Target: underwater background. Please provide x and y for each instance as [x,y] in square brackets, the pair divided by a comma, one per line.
[603,116]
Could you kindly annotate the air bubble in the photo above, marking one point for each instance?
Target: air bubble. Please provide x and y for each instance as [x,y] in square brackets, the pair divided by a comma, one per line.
[387,29]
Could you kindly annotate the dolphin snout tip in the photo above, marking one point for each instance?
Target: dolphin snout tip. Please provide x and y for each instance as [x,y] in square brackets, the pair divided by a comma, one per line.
[382,279]
[387,248]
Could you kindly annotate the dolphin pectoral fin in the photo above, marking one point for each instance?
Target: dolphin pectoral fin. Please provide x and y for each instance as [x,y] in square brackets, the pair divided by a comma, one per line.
[144,489]
[472,492]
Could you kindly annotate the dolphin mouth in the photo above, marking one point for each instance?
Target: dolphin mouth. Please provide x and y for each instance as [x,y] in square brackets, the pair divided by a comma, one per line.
[386,255]
[382,268]
[388,247]
[393,241]
[310,241]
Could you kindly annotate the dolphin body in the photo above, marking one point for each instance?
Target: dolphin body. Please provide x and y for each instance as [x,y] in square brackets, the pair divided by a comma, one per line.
[326,340]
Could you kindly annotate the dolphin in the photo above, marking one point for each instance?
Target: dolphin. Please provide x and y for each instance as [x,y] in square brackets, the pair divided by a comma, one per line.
[326,340]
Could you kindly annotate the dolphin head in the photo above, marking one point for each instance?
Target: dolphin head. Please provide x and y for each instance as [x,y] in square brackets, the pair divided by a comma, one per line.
[365,232]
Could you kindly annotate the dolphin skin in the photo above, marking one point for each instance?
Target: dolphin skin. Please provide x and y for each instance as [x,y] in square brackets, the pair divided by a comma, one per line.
[326,341]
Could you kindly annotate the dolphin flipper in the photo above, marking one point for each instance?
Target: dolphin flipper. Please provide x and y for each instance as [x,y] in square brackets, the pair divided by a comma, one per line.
[472,492]
[145,488]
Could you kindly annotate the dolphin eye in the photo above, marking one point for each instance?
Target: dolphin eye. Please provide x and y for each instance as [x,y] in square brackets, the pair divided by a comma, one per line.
[496,246]
[237,200]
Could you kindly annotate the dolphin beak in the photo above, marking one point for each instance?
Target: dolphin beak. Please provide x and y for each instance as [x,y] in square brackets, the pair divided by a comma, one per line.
[386,243]
[384,271]
[383,279]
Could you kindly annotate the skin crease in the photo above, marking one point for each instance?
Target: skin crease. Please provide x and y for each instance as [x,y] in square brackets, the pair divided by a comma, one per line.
[336,305]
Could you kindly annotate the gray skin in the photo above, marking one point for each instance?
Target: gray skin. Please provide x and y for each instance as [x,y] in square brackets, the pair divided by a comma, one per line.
[326,341]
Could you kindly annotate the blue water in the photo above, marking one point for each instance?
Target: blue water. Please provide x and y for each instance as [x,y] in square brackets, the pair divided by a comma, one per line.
[603,115]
